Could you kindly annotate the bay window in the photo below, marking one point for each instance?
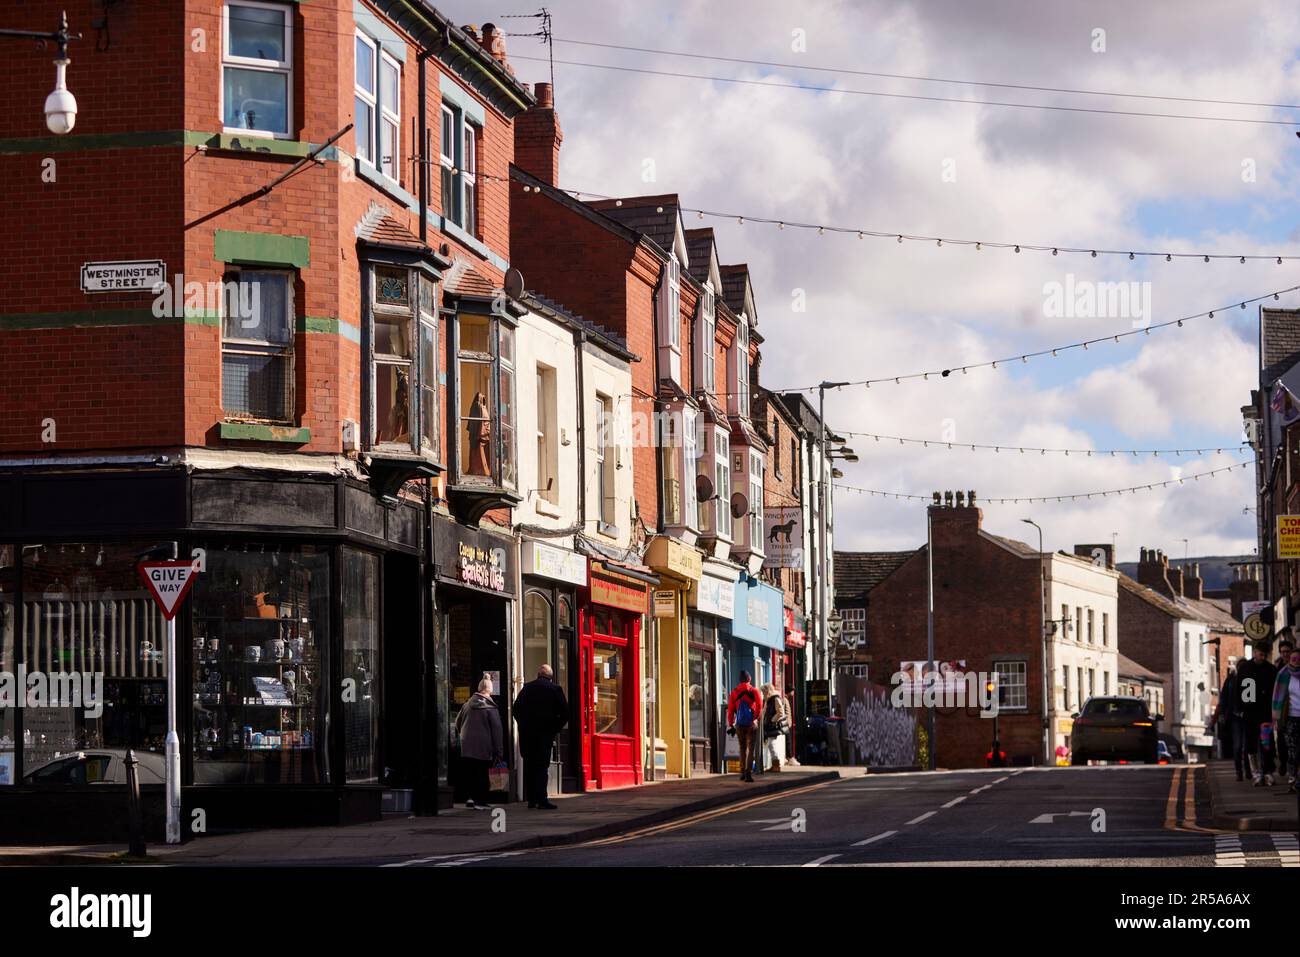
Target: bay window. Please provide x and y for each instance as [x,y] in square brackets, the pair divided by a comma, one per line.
[670,322]
[677,458]
[755,501]
[257,329]
[715,514]
[403,356]
[707,334]
[670,454]
[257,68]
[485,382]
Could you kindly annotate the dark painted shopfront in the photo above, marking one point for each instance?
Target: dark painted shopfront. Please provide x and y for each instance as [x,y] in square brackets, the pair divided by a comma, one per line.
[299,649]
[475,573]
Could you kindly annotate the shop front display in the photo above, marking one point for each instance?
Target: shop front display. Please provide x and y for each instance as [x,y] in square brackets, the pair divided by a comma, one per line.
[678,567]
[609,631]
[551,577]
[752,640]
[712,603]
[792,676]
[476,572]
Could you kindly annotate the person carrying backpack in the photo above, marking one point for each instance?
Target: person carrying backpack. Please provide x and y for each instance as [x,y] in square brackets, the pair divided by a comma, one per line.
[744,708]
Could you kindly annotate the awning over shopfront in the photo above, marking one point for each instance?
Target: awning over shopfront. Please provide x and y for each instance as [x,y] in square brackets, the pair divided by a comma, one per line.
[758,614]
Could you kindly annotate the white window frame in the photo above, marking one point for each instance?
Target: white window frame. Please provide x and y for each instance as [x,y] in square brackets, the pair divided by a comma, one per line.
[262,345]
[1013,685]
[722,476]
[548,448]
[391,119]
[284,67]
[671,334]
[606,500]
[755,501]
[739,380]
[468,178]
[367,151]
[708,335]
[447,162]
[853,626]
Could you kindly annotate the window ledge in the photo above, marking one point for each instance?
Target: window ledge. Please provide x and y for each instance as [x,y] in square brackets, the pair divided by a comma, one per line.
[549,509]
[386,185]
[262,432]
[609,531]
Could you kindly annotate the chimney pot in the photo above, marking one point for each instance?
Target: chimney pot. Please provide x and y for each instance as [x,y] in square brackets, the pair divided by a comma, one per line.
[545,96]
[494,41]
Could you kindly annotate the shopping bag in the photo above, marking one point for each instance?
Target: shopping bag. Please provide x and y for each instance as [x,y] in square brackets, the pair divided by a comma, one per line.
[499,777]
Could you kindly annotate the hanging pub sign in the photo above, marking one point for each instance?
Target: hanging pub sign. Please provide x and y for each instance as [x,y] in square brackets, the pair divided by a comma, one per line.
[475,559]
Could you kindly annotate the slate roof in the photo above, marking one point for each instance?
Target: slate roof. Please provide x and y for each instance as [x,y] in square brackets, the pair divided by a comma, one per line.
[642,213]
[856,573]
[1020,548]
[606,337]
[1190,609]
[1128,668]
[1279,342]
[734,280]
[698,243]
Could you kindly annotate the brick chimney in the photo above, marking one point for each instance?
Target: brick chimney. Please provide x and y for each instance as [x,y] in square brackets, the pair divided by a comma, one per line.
[1155,573]
[1107,552]
[1193,585]
[538,137]
[494,41]
[1243,588]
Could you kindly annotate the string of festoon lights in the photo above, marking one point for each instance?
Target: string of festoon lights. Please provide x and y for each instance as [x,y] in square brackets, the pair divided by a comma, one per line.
[1026,449]
[936,241]
[1030,499]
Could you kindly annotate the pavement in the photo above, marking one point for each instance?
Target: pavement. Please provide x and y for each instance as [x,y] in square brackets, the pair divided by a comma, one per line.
[1240,806]
[455,834]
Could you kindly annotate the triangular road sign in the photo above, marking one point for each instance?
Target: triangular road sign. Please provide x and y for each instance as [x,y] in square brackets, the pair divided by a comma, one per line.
[169,582]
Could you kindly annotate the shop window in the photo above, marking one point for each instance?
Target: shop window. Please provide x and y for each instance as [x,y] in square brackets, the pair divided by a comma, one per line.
[257,329]
[609,661]
[361,658]
[261,619]
[403,346]
[90,628]
[606,460]
[537,633]
[8,664]
[458,158]
[257,68]
[485,378]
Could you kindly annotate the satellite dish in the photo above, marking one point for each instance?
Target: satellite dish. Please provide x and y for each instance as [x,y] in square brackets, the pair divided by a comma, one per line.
[703,488]
[514,283]
[739,505]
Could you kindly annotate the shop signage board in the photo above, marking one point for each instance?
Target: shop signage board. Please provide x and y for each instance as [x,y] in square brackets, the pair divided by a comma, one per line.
[1288,536]
[135,275]
[794,634]
[1253,622]
[666,554]
[665,603]
[715,596]
[550,561]
[168,583]
[618,591]
[783,537]
[475,559]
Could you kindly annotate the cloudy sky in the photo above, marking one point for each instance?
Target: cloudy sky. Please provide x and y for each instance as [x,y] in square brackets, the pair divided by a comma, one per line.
[875,308]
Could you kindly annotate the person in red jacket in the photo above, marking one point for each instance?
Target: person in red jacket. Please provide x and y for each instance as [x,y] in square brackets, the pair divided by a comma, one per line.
[744,711]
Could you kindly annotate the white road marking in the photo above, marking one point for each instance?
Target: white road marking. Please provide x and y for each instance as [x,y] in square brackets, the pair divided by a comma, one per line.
[1228,852]
[1001,779]
[822,860]
[424,860]
[957,800]
[878,837]
[1288,851]
[1051,818]
[918,820]
[979,789]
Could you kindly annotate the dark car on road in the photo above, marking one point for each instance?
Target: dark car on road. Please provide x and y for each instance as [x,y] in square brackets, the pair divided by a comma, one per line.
[1114,729]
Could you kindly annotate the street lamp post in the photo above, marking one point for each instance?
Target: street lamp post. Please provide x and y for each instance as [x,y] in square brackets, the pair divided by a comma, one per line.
[823,498]
[1042,633]
[60,105]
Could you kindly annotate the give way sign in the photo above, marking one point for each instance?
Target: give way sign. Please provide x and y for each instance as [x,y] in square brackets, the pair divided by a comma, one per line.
[168,582]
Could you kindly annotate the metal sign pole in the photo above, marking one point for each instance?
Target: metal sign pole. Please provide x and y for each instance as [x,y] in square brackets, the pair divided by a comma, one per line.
[173,742]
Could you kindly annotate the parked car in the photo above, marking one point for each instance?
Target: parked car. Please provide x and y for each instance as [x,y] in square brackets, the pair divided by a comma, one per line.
[1114,729]
[92,766]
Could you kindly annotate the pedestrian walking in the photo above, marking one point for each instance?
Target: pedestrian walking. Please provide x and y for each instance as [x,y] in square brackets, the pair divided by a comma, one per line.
[744,708]
[1284,647]
[478,726]
[541,711]
[776,725]
[1230,719]
[1286,717]
[1255,680]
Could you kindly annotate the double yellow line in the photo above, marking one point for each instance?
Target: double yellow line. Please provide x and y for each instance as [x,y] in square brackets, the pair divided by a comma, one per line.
[1183,780]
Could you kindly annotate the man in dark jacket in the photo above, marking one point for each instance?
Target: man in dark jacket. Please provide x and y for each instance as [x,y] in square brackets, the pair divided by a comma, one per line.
[1255,692]
[540,711]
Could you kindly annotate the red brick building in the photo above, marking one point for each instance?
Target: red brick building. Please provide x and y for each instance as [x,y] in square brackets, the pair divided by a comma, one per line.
[269,326]
[988,608]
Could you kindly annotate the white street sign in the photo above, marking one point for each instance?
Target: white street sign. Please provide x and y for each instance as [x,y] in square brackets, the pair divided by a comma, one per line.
[134,275]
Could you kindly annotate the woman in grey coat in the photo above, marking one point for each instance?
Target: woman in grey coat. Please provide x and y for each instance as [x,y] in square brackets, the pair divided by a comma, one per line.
[479,728]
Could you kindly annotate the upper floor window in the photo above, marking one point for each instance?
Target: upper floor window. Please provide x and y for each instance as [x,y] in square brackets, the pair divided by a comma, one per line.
[776,448]
[794,467]
[377,107]
[257,68]
[257,327]
[677,459]
[1012,684]
[707,335]
[548,443]
[403,348]
[485,380]
[739,371]
[755,501]
[605,459]
[458,157]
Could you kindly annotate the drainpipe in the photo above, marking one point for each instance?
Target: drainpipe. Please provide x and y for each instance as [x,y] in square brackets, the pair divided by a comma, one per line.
[657,405]
[579,340]
[424,143]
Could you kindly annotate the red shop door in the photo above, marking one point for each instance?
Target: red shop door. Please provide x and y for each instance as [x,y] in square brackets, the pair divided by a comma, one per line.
[587,684]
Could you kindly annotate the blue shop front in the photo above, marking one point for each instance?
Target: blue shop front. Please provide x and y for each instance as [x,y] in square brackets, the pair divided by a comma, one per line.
[753,641]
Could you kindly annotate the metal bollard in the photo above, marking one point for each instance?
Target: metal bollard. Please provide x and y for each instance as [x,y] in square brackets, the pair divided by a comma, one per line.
[134,823]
